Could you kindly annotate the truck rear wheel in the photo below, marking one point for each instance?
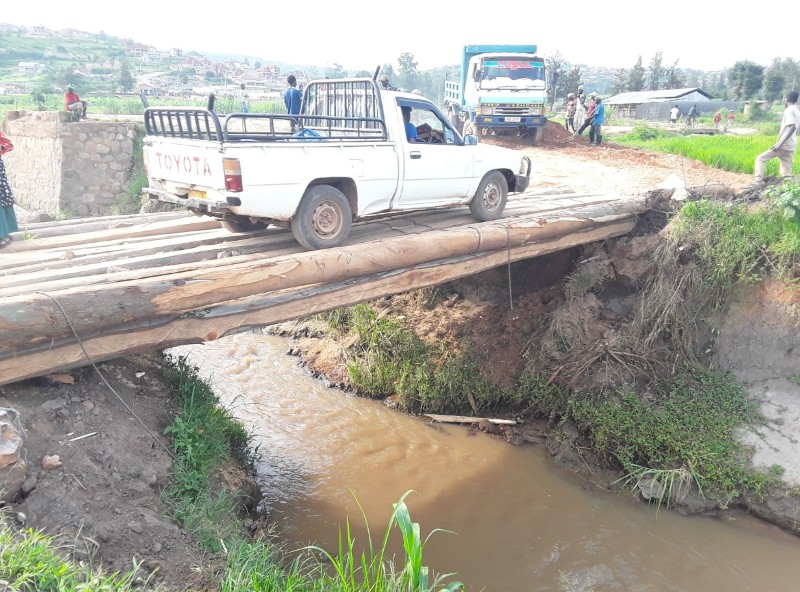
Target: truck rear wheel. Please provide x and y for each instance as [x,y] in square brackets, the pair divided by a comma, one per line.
[490,199]
[323,219]
[242,224]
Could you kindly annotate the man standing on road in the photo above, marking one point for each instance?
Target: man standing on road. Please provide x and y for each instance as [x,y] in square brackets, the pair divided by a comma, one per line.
[569,120]
[589,116]
[786,146]
[292,98]
[595,132]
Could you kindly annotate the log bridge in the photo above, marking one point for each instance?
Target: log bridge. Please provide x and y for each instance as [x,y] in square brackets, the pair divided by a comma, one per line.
[99,288]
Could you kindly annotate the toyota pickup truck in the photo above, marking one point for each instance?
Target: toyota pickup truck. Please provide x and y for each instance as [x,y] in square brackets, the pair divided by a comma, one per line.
[354,152]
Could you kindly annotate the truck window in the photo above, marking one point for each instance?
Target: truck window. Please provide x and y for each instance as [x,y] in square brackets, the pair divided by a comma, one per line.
[513,69]
[431,129]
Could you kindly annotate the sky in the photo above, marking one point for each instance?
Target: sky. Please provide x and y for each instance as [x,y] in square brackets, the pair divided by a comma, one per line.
[359,35]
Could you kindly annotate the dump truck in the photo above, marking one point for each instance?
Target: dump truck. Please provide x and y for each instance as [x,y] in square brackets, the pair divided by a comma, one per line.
[501,91]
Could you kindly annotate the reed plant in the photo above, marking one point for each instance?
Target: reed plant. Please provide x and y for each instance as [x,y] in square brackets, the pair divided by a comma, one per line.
[373,570]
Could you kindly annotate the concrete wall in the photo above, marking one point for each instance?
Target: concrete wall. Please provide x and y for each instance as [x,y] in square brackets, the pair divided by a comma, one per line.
[81,167]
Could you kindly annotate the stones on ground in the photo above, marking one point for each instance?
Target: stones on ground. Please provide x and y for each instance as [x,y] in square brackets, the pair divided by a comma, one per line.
[51,462]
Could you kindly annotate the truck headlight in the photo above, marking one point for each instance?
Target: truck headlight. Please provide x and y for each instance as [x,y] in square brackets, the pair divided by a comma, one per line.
[537,111]
[485,110]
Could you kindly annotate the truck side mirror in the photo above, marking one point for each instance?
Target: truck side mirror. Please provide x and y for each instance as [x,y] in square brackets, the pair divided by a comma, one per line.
[470,140]
[477,75]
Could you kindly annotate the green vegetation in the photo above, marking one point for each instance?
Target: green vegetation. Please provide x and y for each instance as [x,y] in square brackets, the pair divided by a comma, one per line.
[786,197]
[686,435]
[389,358]
[731,153]
[727,245]
[30,561]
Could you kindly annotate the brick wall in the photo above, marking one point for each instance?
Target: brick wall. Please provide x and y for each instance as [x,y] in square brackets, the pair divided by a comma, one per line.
[80,167]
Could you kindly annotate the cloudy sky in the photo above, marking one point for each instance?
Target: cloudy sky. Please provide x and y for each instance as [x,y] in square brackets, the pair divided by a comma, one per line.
[360,35]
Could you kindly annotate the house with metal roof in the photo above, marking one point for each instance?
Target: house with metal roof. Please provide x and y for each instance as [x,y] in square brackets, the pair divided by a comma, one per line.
[655,104]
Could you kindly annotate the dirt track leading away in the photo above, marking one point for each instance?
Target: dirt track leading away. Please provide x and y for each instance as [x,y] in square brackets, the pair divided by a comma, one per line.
[561,162]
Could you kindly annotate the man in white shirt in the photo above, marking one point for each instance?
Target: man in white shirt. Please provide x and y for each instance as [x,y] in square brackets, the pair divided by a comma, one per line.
[786,145]
[673,114]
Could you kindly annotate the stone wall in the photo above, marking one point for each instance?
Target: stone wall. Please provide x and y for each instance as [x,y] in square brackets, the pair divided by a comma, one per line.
[80,167]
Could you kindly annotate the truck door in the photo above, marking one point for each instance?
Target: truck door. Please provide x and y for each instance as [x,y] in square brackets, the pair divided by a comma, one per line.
[437,165]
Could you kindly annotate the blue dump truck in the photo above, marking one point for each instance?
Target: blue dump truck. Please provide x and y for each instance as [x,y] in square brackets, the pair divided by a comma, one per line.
[501,92]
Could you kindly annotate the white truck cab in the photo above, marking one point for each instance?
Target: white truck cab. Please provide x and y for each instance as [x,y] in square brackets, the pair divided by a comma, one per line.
[349,155]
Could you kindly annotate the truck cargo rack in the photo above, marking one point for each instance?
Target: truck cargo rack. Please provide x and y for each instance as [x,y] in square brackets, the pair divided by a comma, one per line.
[201,124]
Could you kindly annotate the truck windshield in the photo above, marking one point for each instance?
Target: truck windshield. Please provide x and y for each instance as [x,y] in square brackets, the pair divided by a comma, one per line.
[503,71]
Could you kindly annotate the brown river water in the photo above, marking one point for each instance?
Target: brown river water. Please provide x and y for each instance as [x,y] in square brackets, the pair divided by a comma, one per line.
[518,522]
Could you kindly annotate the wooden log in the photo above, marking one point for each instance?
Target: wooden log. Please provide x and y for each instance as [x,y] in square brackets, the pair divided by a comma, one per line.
[465,419]
[33,359]
[143,230]
[36,318]
[67,227]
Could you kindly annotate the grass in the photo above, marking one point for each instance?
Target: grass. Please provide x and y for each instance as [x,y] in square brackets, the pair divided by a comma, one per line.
[731,153]
[710,249]
[389,358]
[31,561]
[686,435]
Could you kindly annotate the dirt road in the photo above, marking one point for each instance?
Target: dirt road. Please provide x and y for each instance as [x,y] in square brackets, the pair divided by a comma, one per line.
[561,162]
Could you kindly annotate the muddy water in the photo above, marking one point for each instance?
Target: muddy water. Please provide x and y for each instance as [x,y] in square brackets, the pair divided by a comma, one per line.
[520,523]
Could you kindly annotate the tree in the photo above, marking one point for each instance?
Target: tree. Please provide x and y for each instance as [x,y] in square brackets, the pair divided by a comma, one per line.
[673,77]
[335,71]
[257,65]
[636,76]
[556,68]
[774,81]
[655,72]
[791,74]
[745,79]
[570,81]
[406,65]
[126,80]
[619,81]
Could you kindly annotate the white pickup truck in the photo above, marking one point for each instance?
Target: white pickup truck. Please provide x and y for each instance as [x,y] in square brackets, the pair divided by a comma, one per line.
[349,155]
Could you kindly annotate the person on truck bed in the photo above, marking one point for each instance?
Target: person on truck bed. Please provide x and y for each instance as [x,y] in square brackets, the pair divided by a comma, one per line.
[385,83]
[411,130]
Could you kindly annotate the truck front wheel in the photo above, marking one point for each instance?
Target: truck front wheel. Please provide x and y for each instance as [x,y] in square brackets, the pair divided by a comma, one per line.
[490,199]
[323,219]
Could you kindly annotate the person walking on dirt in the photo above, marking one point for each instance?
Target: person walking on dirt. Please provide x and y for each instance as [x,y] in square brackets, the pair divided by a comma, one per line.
[717,119]
[731,117]
[786,146]
[691,117]
[569,122]
[595,131]
[674,113]
[589,116]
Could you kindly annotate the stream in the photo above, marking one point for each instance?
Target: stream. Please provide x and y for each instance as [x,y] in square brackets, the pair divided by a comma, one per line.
[516,522]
